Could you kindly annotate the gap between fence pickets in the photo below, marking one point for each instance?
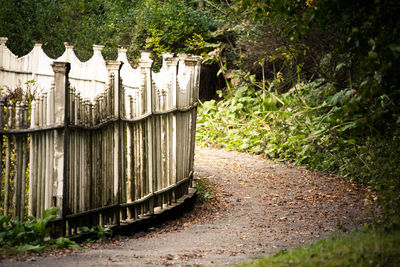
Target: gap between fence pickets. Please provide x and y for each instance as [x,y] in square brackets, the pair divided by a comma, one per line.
[134,139]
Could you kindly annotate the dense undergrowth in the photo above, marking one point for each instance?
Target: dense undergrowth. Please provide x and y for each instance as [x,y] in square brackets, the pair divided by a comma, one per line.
[30,235]
[307,126]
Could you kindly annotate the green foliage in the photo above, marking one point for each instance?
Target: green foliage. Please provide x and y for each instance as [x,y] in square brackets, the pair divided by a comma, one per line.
[169,26]
[203,190]
[260,37]
[30,248]
[159,26]
[30,235]
[98,230]
[314,82]
[63,242]
[367,42]
[362,248]
[31,231]
[82,23]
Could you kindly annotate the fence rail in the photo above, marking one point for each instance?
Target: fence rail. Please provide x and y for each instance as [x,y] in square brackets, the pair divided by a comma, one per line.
[102,141]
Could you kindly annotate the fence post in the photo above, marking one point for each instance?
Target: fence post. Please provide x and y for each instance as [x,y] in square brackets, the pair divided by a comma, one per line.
[146,87]
[194,116]
[145,63]
[191,64]
[114,68]
[3,41]
[36,59]
[172,68]
[61,117]
[3,47]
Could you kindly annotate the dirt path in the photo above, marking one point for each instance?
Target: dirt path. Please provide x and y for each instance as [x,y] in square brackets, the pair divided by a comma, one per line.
[267,207]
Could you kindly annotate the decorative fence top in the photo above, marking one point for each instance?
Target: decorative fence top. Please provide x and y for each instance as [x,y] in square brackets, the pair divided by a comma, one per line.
[90,77]
[104,142]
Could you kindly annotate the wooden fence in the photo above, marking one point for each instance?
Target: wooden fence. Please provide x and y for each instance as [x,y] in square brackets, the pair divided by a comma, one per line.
[102,141]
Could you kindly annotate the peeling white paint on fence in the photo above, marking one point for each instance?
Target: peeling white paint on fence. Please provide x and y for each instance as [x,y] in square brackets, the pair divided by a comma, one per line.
[104,142]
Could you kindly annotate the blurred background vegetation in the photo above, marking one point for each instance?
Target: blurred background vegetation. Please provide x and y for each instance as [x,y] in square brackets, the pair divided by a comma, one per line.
[314,82]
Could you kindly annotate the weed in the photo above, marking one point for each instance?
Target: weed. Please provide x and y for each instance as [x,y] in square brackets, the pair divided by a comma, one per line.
[98,230]
[204,190]
[30,235]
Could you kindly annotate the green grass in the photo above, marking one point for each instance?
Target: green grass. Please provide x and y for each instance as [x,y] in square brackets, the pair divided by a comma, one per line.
[360,248]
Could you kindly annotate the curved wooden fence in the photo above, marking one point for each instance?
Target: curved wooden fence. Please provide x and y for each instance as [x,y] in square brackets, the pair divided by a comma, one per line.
[102,141]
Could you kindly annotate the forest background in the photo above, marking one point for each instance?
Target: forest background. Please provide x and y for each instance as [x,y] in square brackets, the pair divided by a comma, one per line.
[313,82]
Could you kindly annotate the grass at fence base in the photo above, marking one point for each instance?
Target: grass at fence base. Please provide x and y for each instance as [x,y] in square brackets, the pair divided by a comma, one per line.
[360,248]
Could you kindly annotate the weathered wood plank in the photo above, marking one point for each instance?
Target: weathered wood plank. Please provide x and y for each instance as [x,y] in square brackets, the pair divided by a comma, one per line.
[62,116]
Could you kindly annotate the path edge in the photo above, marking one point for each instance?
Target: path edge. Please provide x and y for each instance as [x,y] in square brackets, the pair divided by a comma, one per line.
[171,212]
